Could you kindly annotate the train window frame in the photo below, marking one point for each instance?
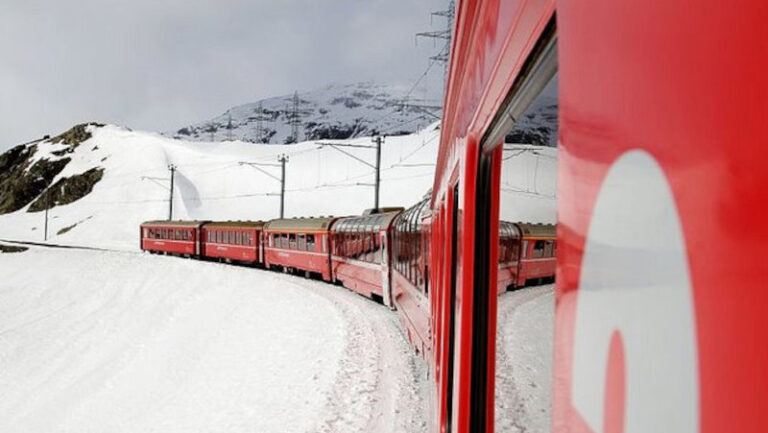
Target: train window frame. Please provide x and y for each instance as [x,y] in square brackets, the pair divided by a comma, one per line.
[548,248]
[539,68]
[310,242]
[301,242]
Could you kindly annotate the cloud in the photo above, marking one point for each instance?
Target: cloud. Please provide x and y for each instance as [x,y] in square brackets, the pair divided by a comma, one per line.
[159,64]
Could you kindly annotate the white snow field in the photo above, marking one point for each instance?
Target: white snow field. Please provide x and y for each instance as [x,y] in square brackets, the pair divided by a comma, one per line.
[128,342]
[212,185]
[121,341]
[524,360]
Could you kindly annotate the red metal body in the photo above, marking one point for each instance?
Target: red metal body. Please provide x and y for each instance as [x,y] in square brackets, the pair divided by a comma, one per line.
[238,241]
[409,273]
[492,41]
[171,237]
[526,255]
[663,181]
[538,261]
[359,255]
[299,244]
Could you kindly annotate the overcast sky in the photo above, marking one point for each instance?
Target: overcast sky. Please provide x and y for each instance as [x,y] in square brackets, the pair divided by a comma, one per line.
[160,64]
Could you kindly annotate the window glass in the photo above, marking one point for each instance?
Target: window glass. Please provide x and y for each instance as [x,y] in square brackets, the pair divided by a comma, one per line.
[311,242]
[302,242]
[292,241]
[548,245]
[527,160]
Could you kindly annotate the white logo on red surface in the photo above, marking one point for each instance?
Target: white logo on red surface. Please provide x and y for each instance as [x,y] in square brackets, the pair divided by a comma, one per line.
[634,363]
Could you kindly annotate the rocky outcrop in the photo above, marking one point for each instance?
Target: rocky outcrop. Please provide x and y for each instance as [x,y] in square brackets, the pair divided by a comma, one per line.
[68,189]
[20,183]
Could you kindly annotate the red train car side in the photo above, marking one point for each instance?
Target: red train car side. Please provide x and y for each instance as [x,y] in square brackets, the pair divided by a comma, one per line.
[360,254]
[538,260]
[238,241]
[410,275]
[493,41]
[299,244]
[171,237]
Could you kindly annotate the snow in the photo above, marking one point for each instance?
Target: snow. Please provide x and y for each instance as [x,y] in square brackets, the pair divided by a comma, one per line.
[210,184]
[356,109]
[524,360]
[124,341]
[115,341]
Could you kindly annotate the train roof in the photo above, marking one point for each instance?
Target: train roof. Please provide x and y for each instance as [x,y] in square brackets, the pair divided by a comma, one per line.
[240,224]
[298,224]
[538,230]
[165,223]
[365,223]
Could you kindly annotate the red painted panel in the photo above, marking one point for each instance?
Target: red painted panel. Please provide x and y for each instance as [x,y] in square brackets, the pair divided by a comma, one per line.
[363,278]
[674,92]
[413,309]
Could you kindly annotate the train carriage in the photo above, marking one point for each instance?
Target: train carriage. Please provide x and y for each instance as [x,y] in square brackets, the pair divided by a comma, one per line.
[235,241]
[410,274]
[360,255]
[538,249]
[171,237]
[299,245]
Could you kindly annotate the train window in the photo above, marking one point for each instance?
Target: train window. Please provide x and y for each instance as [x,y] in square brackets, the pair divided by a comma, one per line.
[520,203]
[548,245]
[310,242]
[218,236]
[301,242]
[292,241]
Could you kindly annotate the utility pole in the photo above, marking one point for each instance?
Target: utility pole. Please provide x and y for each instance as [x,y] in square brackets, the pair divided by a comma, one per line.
[229,128]
[282,159]
[47,205]
[444,55]
[259,123]
[377,166]
[172,168]
[378,140]
[211,130]
[295,118]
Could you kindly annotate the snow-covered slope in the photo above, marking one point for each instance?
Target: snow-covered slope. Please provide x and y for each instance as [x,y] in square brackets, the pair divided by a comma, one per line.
[210,183]
[122,342]
[336,111]
[525,350]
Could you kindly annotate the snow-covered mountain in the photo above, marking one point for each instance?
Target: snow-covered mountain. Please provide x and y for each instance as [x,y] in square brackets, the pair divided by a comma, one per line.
[100,182]
[334,112]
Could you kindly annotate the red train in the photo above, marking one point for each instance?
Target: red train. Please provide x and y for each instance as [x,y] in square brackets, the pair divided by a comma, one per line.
[659,114]
[383,256]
